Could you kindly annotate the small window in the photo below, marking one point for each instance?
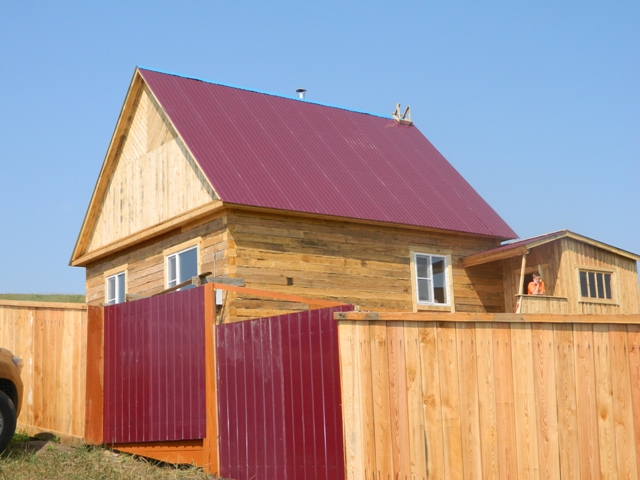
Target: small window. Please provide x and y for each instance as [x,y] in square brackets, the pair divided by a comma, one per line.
[595,285]
[181,266]
[431,279]
[115,289]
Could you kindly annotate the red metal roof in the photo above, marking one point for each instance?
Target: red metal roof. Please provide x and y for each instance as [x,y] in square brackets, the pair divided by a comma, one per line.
[269,151]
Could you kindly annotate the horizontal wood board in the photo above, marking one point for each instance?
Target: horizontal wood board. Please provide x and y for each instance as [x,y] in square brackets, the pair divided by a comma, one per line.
[430,400]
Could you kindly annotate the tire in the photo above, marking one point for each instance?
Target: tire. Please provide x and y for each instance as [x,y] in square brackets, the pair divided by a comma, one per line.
[7,420]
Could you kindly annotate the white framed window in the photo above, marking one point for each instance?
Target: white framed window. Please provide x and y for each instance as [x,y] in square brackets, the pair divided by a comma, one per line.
[431,279]
[181,266]
[116,288]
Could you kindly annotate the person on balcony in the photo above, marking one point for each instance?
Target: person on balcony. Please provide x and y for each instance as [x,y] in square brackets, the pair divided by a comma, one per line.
[537,286]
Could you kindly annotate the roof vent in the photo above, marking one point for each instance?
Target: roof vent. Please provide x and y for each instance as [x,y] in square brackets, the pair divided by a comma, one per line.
[405,117]
[301,92]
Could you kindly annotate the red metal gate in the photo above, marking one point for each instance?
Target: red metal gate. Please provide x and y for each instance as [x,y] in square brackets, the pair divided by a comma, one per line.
[279,402]
[154,383]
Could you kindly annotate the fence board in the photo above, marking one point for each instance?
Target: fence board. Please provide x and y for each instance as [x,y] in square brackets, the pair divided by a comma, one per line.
[604,403]
[622,407]
[415,402]
[587,412]
[487,402]
[524,401]
[547,406]
[380,399]
[432,401]
[634,373]
[449,390]
[469,414]
[507,454]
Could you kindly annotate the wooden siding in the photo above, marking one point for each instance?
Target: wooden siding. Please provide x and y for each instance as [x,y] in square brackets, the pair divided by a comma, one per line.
[347,262]
[51,339]
[155,178]
[145,264]
[558,262]
[430,400]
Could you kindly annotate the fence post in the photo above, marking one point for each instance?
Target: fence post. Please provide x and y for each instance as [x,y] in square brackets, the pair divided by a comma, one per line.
[210,444]
[94,406]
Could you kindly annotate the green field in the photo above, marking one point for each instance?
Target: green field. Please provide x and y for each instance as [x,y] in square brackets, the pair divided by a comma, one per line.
[44,297]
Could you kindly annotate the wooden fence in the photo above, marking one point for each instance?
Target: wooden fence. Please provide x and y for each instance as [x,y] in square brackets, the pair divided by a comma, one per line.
[490,396]
[51,338]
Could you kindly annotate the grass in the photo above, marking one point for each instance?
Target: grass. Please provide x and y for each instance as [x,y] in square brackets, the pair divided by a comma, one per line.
[48,297]
[86,463]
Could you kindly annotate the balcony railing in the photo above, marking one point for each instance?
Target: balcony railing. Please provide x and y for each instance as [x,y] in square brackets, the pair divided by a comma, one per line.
[541,304]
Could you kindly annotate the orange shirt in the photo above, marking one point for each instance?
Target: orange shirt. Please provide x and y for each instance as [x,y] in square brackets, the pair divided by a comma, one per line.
[532,288]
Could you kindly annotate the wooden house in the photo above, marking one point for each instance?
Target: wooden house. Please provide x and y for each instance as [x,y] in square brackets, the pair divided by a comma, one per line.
[306,200]
[289,195]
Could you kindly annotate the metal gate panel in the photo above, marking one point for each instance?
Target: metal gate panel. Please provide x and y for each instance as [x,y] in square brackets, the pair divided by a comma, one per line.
[279,399]
[154,385]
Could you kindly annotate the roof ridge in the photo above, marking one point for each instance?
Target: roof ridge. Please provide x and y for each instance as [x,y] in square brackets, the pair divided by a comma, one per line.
[262,92]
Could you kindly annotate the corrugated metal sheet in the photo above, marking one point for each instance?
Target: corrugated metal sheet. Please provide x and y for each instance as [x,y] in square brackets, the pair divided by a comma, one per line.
[268,151]
[154,386]
[279,402]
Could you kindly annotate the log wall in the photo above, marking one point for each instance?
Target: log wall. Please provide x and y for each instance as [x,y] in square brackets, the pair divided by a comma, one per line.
[347,262]
[145,264]
[51,339]
[498,396]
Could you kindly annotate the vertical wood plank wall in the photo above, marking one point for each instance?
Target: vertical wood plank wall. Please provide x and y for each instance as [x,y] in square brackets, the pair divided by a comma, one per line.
[490,399]
[51,339]
[154,177]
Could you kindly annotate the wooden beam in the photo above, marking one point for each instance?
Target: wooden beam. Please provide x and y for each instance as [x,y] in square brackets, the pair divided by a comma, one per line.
[523,267]
[179,452]
[238,282]
[210,208]
[492,256]
[623,319]
[312,302]
[210,452]
[48,305]
[94,403]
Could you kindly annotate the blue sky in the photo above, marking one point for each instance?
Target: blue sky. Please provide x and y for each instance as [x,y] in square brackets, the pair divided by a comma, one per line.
[537,104]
